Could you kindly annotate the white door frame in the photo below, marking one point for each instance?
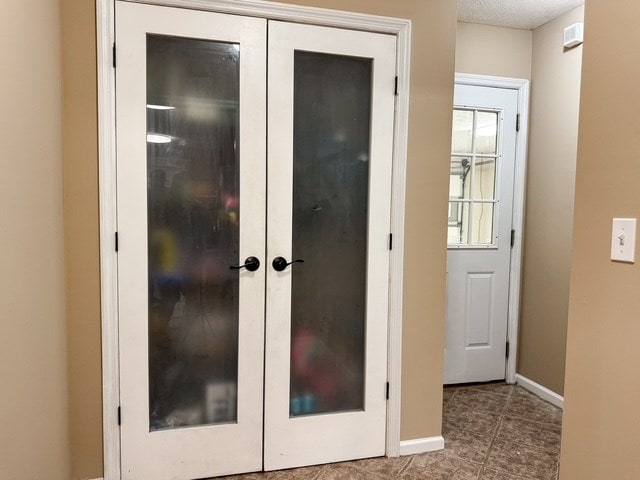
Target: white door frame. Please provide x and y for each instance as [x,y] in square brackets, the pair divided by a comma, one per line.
[105,14]
[519,191]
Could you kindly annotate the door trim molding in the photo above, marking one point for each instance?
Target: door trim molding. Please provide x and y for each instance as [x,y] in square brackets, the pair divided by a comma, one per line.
[105,33]
[519,197]
[287,12]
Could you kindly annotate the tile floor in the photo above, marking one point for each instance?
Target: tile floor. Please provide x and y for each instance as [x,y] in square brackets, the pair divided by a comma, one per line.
[492,432]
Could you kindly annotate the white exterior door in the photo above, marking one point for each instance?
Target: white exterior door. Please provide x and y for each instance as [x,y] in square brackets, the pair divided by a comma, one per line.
[330,144]
[479,233]
[223,342]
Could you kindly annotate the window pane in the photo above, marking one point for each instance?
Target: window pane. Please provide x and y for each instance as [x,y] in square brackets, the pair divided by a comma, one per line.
[484,179]
[332,117]
[486,132]
[482,230]
[458,223]
[461,139]
[193,231]
[459,181]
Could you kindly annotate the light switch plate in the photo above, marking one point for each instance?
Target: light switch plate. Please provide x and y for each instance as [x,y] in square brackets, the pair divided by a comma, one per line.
[623,240]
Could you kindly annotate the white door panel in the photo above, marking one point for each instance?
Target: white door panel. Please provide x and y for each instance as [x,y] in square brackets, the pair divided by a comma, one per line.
[337,161]
[480,215]
[174,284]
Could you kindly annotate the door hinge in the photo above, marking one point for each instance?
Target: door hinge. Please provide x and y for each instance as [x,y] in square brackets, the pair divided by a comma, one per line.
[114,55]
[116,241]
[507,350]
[391,241]
[395,89]
[513,238]
[517,122]
[387,392]
[119,416]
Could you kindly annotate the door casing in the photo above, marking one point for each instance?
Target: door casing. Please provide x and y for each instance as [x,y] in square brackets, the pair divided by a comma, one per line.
[106,59]
[519,185]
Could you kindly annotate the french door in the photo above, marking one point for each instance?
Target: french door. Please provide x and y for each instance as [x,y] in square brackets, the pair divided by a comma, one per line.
[252,286]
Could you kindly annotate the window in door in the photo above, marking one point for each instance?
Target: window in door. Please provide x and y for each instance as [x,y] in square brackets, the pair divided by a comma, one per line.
[473,196]
[332,118]
[193,230]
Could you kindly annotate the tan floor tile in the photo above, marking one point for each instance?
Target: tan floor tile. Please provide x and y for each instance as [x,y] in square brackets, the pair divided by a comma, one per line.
[495,388]
[440,466]
[388,467]
[526,405]
[467,445]
[523,460]
[526,432]
[306,473]
[447,394]
[464,419]
[478,400]
[346,471]
[491,474]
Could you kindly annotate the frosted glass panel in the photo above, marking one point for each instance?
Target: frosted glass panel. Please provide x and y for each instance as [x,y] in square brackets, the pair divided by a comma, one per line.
[332,116]
[193,230]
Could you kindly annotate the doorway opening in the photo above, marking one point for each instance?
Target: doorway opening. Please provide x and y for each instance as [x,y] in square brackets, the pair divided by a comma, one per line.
[486,211]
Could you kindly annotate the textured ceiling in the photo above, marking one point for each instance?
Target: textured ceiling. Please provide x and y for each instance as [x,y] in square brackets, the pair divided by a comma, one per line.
[525,14]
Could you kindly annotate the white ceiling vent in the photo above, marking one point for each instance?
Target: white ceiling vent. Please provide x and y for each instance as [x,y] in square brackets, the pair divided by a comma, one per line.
[573,35]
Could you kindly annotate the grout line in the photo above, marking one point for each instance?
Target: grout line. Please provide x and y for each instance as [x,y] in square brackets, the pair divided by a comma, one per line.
[453,395]
[539,422]
[406,466]
[514,475]
[319,472]
[369,473]
[499,426]
[493,439]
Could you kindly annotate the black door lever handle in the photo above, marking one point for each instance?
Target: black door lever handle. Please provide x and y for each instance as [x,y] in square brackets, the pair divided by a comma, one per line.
[251,264]
[280,263]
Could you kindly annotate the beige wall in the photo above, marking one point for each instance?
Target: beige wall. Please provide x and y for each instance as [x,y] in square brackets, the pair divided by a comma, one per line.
[553,143]
[602,389]
[79,143]
[434,29]
[33,398]
[489,50]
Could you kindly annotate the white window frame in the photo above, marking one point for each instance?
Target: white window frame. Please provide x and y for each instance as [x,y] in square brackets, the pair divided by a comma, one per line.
[105,13]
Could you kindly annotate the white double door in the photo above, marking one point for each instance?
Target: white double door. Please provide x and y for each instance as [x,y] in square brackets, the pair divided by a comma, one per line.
[253,242]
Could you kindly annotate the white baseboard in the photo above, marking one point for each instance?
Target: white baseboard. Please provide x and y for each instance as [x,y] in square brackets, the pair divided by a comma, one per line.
[421,445]
[541,391]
